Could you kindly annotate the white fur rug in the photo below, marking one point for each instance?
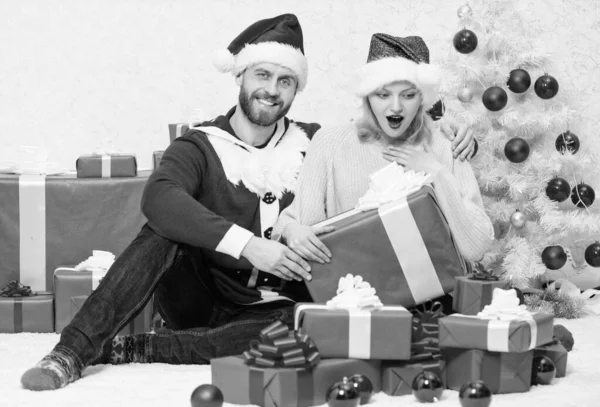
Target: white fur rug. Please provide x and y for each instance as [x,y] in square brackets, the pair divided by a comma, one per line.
[164,385]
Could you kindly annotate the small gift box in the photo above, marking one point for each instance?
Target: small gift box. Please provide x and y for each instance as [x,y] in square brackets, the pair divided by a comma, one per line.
[106,166]
[283,369]
[177,130]
[356,326]
[557,353]
[397,377]
[156,157]
[141,323]
[501,372]
[473,293]
[27,314]
[500,327]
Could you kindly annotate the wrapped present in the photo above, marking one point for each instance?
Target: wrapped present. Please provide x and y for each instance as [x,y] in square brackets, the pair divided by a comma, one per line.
[106,166]
[177,130]
[141,323]
[397,377]
[557,353]
[48,221]
[501,372]
[473,293]
[502,326]
[33,313]
[282,370]
[403,248]
[156,157]
[355,324]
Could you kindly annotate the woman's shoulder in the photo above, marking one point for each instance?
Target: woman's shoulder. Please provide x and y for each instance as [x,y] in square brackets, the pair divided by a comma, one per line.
[335,134]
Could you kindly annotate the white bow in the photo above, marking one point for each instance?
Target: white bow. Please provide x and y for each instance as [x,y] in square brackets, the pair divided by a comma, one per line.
[354,293]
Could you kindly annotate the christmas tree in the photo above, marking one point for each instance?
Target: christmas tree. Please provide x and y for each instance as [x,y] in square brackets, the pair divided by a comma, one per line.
[537,174]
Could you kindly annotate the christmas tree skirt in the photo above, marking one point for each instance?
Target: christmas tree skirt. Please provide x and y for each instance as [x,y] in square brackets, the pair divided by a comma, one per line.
[164,385]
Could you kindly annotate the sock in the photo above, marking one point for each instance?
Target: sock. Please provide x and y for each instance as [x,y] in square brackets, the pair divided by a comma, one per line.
[129,349]
[54,371]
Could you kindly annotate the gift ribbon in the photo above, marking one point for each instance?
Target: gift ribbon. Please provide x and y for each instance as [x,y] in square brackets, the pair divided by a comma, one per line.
[106,162]
[16,289]
[482,274]
[32,230]
[590,297]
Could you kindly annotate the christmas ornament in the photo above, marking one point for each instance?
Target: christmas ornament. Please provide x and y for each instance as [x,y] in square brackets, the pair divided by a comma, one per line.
[567,141]
[465,41]
[516,150]
[363,385]
[564,336]
[554,257]
[437,110]
[518,81]
[546,86]
[427,387]
[543,371]
[464,11]
[520,295]
[343,394]
[583,195]
[207,395]
[475,394]
[592,254]
[558,189]
[494,98]
[517,219]
[465,95]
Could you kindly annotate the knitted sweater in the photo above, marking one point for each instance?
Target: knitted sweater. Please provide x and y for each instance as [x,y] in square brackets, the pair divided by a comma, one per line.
[335,174]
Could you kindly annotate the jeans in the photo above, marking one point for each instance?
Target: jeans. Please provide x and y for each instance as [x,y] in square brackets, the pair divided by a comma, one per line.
[202,324]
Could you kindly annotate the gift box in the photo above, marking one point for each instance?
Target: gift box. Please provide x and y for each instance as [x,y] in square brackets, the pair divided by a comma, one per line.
[141,323]
[397,377]
[27,314]
[518,335]
[156,157]
[106,166]
[48,221]
[177,130]
[557,353]
[357,333]
[472,294]
[403,248]
[501,372]
[243,384]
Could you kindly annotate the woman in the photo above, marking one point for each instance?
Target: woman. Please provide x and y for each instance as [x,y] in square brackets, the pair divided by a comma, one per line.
[397,85]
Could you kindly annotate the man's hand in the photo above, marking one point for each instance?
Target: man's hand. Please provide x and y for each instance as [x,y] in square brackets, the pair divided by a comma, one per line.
[277,259]
[303,241]
[463,140]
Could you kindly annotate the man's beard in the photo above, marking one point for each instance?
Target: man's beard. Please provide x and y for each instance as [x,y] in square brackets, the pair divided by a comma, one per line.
[255,114]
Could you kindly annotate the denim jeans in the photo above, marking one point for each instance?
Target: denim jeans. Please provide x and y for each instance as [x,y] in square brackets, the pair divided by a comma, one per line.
[202,324]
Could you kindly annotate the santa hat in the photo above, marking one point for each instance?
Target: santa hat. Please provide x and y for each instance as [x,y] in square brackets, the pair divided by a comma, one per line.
[277,40]
[393,59]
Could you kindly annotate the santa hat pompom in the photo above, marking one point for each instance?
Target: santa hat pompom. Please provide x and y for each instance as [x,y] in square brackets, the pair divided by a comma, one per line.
[224,61]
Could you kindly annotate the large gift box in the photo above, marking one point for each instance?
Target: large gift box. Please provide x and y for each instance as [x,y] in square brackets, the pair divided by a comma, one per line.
[141,323]
[48,221]
[557,353]
[357,333]
[501,372]
[473,293]
[27,314]
[106,166]
[397,377]
[403,248]
[177,130]
[517,335]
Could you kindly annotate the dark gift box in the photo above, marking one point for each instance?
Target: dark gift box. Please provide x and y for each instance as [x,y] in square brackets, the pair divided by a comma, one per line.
[106,166]
[141,323]
[397,377]
[357,333]
[501,372]
[177,130]
[471,295]
[404,249]
[48,221]
[156,157]
[27,314]
[557,353]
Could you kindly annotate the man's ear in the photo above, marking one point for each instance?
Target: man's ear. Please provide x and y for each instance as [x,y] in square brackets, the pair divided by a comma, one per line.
[239,80]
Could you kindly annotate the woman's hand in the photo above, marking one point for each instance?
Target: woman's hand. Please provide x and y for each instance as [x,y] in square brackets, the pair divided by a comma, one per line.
[303,241]
[461,135]
[413,159]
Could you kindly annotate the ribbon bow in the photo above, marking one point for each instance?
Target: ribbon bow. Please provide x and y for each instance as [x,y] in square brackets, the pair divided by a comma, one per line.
[505,307]
[425,321]
[480,273]
[16,289]
[280,347]
[353,292]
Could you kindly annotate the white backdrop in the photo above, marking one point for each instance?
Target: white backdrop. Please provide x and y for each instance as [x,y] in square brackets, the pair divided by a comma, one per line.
[81,75]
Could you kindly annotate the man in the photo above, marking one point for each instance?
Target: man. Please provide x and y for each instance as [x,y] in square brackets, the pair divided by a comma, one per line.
[206,252]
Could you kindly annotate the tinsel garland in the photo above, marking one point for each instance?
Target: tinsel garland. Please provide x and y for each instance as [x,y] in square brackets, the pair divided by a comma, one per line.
[550,301]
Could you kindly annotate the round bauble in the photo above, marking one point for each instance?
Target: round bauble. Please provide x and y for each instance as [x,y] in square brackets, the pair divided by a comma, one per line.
[543,371]
[475,394]
[518,219]
[494,98]
[363,385]
[592,254]
[465,95]
[516,150]
[546,86]
[427,387]
[567,141]
[583,195]
[465,41]
[518,81]
[207,395]
[558,189]
[437,110]
[554,257]
[342,394]
[520,295]
[464,11]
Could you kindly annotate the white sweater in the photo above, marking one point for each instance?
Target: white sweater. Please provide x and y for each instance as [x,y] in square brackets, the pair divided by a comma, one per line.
[335,174]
